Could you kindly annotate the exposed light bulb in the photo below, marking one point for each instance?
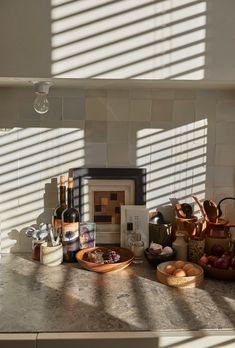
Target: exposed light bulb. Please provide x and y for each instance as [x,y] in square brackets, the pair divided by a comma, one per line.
[41,103]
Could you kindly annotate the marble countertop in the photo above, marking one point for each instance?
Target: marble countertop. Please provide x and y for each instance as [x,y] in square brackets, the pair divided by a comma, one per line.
[36,298]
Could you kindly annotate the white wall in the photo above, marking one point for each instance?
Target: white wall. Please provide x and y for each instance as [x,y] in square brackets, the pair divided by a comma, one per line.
[168,39]
[184,138]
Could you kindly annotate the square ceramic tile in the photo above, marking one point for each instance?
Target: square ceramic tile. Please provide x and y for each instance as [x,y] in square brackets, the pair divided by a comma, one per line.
[11,125]
[21,92]
[29,123]
[183,112]
[118,93]
[117,132]
[140,110]
[210,175]
[210,154]
[95,132]
[205,109]
[206,95]
[46,122]
[224,175]
[224,155]
[143,155]
[209,193]
[95,155]
[8,108]
[140,93]
[134,129]
[222,192]
[185,94]
[117,109]
[225,95]
[117,106]
[118,155]
[97,93]
[210,130]
[132,156]
[225,132]
[80,124]
[96,108]
[73,108]
[64,92]
[225,111]
[162,110]
[163,93]
[159,124]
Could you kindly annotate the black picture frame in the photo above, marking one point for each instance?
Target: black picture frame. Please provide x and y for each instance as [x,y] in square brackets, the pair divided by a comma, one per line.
[138,175]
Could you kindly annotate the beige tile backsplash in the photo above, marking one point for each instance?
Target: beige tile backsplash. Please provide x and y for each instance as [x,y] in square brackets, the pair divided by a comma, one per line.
[184,138]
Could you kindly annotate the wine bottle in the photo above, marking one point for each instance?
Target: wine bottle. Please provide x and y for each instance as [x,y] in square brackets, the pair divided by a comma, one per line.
[57,216]
[70,227]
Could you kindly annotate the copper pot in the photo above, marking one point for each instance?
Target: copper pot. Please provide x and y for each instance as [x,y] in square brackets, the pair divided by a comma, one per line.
[218,233]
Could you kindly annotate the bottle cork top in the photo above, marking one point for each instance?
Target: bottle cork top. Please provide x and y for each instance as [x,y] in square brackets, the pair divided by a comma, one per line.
[62,180]
[70,182]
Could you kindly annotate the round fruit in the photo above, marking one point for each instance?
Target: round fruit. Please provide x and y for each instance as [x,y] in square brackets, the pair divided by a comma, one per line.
[217,250]
[212,259]
[179,273]
[179,264]
[222,263]
[193,272]
[169,269]
[204,259]
[187,266]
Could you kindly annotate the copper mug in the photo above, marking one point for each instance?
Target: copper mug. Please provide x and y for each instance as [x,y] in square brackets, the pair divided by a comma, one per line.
[36,247]
[218,233]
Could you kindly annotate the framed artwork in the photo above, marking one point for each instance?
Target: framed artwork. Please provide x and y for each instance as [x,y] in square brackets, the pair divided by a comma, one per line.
[139,217]
[87,235]
[99,194]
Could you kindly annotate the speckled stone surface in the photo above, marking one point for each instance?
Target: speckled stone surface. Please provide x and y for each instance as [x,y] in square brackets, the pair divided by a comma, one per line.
[66,298]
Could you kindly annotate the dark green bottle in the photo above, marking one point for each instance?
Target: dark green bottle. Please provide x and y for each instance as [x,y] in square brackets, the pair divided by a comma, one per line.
[70,227]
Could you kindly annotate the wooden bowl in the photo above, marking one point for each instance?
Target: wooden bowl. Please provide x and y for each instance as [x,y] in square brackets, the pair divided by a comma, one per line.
[155,259]
[126,257]
[217,273]
[179,282]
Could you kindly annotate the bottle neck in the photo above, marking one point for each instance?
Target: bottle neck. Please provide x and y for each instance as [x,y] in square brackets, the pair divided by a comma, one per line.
[62,195]
[70,198]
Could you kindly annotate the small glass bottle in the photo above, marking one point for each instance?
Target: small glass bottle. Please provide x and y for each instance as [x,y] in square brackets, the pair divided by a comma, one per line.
[180,246]
[137,247]
[57,216]
[129,235]
[70,227]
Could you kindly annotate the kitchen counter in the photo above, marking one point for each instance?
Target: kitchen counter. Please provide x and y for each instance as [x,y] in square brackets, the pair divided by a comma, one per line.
[38,299]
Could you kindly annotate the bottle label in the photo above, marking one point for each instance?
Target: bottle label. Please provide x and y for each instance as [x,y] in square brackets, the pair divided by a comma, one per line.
[70,232]
[58,226]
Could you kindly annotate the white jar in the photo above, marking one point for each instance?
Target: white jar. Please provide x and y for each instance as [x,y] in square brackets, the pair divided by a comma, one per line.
[180,246]
[51,256]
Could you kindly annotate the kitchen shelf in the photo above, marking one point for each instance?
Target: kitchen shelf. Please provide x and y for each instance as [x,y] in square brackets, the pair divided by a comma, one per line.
[119,83]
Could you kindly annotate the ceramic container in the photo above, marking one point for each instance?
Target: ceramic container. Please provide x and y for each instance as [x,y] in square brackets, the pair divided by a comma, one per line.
[51,256]
[196,248]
